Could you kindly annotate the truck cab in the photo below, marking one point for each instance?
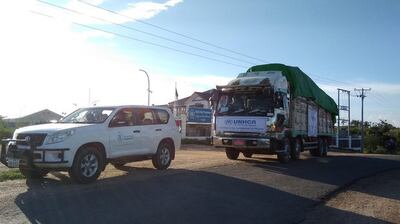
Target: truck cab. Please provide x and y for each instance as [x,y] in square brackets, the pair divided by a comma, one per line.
[251,112]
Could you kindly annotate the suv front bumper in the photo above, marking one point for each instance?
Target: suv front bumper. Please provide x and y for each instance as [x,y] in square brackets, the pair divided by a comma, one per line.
[12,156]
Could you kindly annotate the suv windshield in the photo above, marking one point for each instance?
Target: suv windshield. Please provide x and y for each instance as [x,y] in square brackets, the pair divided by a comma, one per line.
[245,104]
[88,115]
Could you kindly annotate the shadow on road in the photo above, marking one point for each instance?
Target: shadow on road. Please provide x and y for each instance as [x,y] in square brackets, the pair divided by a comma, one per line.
[339,170]
[170,196]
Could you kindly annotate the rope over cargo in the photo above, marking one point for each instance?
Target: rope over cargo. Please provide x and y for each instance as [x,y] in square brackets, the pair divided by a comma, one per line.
[301,85]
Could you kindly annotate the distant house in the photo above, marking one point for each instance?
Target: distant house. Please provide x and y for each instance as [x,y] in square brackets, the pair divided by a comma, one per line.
[187,112]
[40,117]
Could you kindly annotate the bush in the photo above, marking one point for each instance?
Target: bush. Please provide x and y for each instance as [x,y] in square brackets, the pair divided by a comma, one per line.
[371,142]
[4,131]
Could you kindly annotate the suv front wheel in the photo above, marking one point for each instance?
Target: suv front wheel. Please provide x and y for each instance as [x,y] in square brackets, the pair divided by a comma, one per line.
[162,159]
[87,165]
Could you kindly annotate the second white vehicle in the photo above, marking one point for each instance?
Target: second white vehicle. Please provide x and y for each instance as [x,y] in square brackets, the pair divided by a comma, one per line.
[89,138]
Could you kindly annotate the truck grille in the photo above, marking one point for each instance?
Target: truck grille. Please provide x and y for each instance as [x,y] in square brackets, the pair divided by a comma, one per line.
[35,139]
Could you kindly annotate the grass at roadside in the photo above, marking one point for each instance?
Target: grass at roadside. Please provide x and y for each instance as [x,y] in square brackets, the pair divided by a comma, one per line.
[12,174]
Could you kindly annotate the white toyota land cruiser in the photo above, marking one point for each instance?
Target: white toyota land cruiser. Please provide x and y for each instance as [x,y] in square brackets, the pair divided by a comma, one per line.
[86,140]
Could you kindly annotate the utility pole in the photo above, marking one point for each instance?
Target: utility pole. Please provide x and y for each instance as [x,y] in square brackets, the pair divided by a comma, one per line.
[148,86]
[343,106]
[362,95]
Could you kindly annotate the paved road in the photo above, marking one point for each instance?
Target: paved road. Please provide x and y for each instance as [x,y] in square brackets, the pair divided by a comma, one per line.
[202,186]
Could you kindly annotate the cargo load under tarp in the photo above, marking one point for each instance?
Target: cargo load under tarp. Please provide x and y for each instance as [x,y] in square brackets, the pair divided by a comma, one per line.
[301,85]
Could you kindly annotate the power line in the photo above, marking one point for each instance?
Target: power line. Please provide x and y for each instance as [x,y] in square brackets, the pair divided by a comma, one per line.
[143,41]
[323,79]
[174,32]
[141,31]
[168,39]
[377,100]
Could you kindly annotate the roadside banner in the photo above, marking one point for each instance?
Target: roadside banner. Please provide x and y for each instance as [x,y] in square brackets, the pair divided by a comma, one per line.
[312,121]
[199,115]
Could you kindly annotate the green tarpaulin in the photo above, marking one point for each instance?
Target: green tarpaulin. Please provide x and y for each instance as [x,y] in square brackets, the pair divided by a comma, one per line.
[301,85]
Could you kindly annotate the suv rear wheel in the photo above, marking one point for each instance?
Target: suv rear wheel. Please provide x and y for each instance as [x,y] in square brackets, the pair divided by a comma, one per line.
[87,165]
[162,159]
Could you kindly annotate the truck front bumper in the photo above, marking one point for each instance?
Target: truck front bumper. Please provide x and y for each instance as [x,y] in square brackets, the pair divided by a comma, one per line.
[241,143]
[12,156]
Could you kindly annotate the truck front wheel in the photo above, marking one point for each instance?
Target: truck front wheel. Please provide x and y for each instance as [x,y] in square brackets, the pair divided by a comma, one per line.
[284,155]
[232,154]
[247,154]
[296,149]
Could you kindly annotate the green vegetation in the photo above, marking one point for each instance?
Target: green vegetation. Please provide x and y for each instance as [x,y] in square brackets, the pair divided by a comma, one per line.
[5,132]
[11,174]
[381,137]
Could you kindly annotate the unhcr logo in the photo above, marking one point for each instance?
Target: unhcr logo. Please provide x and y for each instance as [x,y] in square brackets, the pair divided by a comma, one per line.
[243,122]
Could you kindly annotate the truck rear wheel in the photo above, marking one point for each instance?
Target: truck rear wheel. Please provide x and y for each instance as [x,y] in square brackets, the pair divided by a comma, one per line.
[231,153]
[284,156]
[321,147]
[325,152]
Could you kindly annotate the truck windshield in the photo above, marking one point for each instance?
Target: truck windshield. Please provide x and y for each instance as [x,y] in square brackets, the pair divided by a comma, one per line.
[245,104]
[88,115]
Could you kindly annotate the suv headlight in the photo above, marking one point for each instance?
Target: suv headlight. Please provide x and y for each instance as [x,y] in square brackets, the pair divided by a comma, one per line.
[59,136]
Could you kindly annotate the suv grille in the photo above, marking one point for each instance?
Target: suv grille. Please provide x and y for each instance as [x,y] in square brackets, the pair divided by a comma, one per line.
[35,139]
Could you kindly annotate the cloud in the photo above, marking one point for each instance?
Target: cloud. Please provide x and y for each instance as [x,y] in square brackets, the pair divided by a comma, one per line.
[96,33]
[48,65]
[95,2]
[133,11]
[147,10]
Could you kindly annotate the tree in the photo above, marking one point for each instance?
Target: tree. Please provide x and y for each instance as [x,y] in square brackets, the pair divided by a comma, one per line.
[381,135]
[5,132]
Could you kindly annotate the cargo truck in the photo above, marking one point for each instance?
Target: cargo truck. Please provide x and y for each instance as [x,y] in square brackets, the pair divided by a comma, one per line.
[272,109]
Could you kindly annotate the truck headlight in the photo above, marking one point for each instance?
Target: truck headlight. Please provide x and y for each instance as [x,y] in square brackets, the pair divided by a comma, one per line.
[59,136]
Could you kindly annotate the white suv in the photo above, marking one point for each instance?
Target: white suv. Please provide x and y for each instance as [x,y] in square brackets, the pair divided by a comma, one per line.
[89,138]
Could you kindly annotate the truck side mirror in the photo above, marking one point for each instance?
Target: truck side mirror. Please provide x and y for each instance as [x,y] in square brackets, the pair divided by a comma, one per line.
[213,99]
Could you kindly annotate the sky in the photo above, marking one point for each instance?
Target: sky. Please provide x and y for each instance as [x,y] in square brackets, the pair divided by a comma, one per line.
[61,58]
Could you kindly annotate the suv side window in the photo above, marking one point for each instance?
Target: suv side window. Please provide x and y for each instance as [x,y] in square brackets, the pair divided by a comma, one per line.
[163,116]
[124,117]
[146,117]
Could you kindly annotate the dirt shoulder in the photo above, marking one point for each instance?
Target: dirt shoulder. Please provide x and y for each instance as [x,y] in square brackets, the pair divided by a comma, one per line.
[371,200]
